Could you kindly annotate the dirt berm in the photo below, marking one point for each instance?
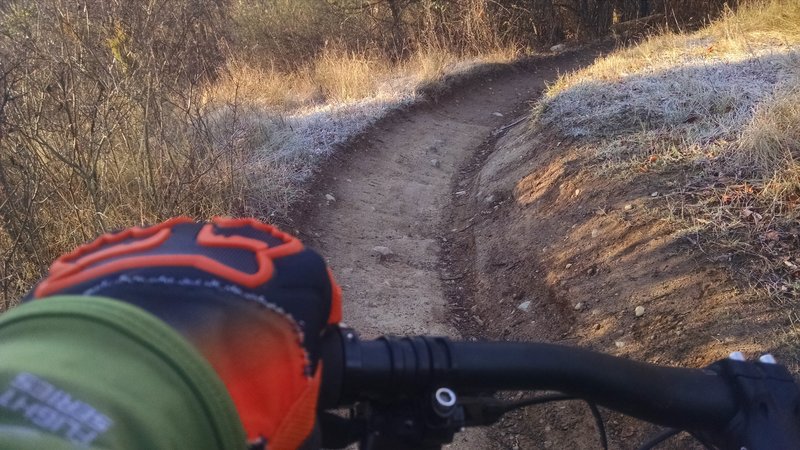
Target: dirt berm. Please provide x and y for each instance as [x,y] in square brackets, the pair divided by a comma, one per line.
[543,246]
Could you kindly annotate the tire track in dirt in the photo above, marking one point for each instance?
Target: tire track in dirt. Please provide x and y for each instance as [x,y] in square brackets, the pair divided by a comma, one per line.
[393,188]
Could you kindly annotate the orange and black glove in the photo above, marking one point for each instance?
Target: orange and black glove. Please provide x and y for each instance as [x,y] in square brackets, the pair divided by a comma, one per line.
[252,299]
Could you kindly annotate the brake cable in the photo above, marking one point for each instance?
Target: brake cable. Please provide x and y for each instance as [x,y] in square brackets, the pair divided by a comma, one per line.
[659,438]
[493,411]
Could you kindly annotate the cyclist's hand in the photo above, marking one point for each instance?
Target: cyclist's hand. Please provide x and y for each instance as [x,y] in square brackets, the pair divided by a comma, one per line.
[251,298]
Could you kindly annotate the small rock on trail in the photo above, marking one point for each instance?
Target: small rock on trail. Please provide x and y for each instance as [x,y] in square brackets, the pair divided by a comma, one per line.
[382,252]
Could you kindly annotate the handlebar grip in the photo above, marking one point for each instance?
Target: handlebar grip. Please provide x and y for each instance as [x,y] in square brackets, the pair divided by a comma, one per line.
[393,368]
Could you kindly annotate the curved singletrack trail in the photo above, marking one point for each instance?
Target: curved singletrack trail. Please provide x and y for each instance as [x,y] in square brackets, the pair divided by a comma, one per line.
[389,192]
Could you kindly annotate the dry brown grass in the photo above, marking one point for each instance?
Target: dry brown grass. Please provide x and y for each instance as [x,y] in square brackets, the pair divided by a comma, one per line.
[771,141]
[102,130]
[339,76]
[721,104]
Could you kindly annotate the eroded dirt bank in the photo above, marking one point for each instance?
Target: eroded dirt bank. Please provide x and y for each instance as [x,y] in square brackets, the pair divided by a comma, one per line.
[548,247]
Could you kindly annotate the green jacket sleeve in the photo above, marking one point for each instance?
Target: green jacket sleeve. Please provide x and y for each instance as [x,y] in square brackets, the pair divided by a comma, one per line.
[97,373]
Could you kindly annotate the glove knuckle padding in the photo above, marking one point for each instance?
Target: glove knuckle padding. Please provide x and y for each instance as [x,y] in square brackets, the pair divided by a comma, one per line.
[251,298]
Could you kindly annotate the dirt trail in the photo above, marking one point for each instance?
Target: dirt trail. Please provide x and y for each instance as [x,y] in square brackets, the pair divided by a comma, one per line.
[392,190]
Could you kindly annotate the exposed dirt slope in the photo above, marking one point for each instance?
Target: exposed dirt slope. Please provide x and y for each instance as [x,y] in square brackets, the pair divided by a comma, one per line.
[393,190]
[548,249]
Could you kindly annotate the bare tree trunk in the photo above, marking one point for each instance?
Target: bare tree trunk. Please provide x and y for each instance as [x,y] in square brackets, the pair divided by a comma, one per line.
[398,35]
[644,8]
[553,27]
[594,17]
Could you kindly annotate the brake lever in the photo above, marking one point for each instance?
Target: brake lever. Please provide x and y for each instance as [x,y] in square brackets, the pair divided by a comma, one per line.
[409,425]
[340,432]
[487,410]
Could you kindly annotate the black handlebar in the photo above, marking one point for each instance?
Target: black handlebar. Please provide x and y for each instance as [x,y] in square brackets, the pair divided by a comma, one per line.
[674,397]
[712,401]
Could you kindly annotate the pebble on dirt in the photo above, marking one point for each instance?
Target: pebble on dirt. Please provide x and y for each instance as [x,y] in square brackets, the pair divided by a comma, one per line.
[568,266]
[628,207]
[524,306]
[497,114]
[639,311]
[381,251]
[654,194]
[578,306]
[330,198]
[435,163]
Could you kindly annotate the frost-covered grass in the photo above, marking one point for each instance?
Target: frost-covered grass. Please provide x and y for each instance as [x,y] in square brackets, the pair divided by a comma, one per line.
[723,105]
[701,89]
[290,123]
[702,96]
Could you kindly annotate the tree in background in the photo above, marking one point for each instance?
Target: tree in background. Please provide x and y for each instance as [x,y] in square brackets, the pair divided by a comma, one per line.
[102,119]
[400,26]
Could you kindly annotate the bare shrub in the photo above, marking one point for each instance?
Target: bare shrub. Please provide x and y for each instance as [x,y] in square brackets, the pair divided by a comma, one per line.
[286,35]
[105,126]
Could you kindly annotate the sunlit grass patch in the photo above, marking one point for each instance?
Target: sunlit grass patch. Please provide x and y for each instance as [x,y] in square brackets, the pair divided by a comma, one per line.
[722,105]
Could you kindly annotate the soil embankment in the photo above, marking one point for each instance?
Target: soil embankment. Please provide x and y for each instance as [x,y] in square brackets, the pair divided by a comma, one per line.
[550,247]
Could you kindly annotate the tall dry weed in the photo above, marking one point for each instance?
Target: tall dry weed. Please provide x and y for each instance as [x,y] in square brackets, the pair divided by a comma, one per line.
[346,76]
[104,127]
[771,141]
